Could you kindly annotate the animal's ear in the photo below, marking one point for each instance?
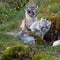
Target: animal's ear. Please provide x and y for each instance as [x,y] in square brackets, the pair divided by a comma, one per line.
[36,6]
[27,8]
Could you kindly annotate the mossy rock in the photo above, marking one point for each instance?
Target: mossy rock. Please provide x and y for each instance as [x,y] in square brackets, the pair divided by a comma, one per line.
[17,53]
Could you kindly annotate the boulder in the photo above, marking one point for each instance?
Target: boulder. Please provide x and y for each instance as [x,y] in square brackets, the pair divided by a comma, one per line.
[56,43]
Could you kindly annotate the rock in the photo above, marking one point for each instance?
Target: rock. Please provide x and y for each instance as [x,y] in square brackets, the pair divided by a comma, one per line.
[56,43]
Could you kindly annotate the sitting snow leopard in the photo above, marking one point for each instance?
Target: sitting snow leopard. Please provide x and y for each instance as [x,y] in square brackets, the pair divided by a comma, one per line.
[30,17]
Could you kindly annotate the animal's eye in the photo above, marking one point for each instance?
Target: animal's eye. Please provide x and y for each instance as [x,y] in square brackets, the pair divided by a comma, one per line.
[43,27]
[29,11]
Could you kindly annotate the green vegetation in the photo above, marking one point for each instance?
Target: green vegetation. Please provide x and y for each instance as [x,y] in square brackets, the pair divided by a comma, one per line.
[43,56]
[33,52]
[10,20]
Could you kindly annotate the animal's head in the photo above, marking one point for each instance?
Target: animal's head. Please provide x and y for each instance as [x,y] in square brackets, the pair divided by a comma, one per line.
[31,11]
[44,25]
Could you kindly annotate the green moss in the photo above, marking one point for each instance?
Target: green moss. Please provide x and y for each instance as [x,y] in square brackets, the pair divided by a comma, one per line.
[39,40]
[43,56]
[20,52]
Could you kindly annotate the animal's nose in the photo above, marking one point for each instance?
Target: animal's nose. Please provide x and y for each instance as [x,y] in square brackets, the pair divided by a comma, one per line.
[32,13]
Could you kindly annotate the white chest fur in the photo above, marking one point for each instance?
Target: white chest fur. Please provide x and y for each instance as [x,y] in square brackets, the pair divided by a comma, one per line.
[28,21]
